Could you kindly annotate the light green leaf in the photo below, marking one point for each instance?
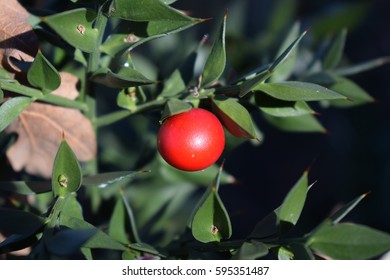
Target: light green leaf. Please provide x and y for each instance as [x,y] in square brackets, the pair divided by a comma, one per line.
[304,123]
[66,176]
[173,85]
[349,241]
[75,27]
[285,254]
[216,61]
[43,75]
[11,109]
[285,70]
[235,118]
[173,107]
[297,91]
[251,250]
[126,77]
[355,95]
[336,49]
[117,224]
[345,209]
[211,222]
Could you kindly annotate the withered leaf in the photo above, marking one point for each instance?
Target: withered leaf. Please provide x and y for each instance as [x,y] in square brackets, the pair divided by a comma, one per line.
[40,127]
[17,39]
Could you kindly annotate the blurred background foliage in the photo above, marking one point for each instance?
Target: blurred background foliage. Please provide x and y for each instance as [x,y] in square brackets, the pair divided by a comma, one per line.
[351,159]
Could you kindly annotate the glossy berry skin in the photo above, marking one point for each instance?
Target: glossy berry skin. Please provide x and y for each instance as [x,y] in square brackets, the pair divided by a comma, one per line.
[192,140]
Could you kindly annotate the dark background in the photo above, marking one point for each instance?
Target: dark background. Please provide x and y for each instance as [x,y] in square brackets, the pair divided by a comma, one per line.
[353,158]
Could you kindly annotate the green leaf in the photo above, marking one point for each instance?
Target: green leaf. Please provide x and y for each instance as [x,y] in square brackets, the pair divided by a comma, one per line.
[43,75]
[25,187]
[117,224]
[285,254]
[69,241]
[18,221]
[336,50]
[216,61]
[286,53]
[11,109]
[146,10]
[126,77]
[304,123]
[266,229]
[203,177]
[297,91]
[131,34]
[285,70]
[281,108]
[173,85]
[75,27]
[345,209]
[100,240]
[37,94]
[235,118]
[355,95]
[127,98]
[349,241]
[173,107]
[1,96]
[362,67]
[290,210]
[72,207]
[211,222]
[103,180]
[251,250]
[66,176]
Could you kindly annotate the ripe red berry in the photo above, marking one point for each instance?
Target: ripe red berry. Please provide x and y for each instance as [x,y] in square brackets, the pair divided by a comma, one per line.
[192,140]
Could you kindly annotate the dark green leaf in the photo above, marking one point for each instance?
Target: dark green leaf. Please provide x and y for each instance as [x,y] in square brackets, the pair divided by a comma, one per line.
[336,50]
[11,109]
[235,118]
[216,61]
[301,251]
[1,96]
[25,188]
[75,27]
[99,240]
[117,224]
[66,176]
[297,91]
[285,70]
[72,207]
[287,52]
[304,123]
[19,222]
[146,10]
[69,241]
[126,77]
[251,250]
[126,255]
[16,242]
[173,107]
[43,75]
[103,180]
[349,241]
[145,248]
[211,222]
[267,228]
[290,210]
[345,209]
[281,108]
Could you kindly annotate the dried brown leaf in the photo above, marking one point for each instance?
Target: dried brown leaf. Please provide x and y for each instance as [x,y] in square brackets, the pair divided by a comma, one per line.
[40,127]
[17,39]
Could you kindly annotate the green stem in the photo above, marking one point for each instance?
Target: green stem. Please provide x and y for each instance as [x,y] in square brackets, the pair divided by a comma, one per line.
[119,115]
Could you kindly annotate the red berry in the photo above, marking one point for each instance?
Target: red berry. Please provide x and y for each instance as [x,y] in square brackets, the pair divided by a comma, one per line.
[192,140]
